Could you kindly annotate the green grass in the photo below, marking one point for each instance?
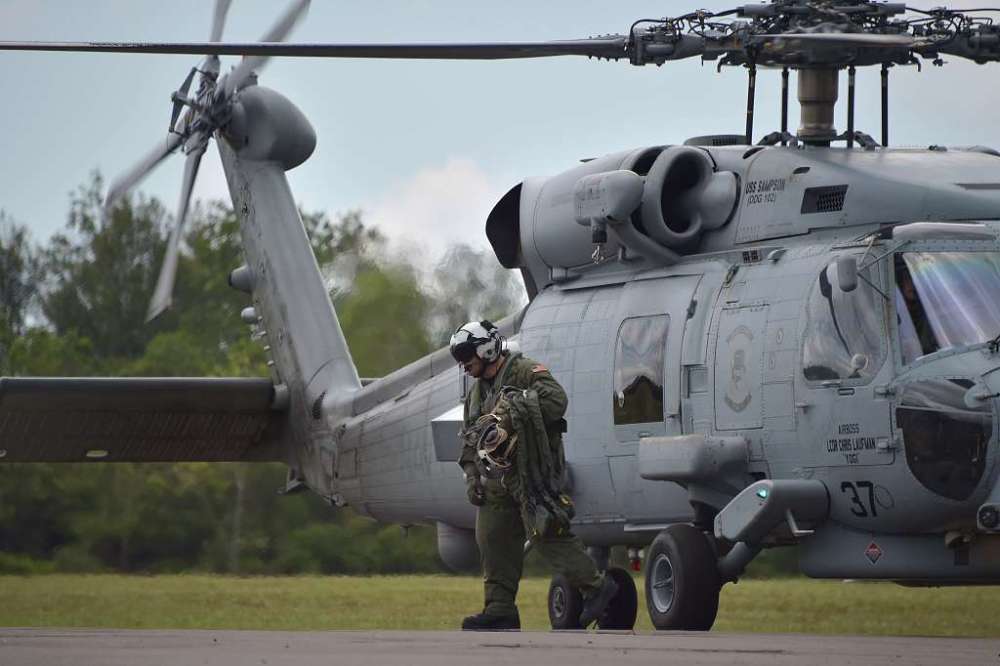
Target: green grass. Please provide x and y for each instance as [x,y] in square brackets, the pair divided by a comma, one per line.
[439,602]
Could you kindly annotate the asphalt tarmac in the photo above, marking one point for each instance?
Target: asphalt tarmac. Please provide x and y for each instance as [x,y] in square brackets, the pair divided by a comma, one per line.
[111,647]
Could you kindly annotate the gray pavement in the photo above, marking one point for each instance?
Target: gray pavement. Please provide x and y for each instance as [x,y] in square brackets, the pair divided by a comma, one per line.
[110,647]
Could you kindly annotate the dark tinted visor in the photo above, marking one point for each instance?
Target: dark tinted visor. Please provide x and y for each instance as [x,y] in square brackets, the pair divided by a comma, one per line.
[463,352]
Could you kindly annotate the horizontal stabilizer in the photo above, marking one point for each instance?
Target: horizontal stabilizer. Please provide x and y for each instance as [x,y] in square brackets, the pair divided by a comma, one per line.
[139,420]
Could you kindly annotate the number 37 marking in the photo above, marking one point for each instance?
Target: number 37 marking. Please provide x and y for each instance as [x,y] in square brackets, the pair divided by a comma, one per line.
[859,507]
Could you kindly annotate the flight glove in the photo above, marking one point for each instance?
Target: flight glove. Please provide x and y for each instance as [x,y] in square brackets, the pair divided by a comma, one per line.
[474,490]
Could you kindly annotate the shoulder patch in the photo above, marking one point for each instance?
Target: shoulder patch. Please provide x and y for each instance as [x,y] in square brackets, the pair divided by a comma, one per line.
[539,368]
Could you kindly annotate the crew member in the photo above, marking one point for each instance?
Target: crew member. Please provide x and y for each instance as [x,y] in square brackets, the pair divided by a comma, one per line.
[918,325]
[502,481]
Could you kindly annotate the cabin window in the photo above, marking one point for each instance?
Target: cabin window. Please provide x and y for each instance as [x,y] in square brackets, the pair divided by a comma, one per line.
[638,378]
[845,331]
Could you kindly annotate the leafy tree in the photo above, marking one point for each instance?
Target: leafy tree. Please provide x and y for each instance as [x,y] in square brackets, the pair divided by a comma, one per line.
[42,353]
[149,517]
[103,272]
[178,353]
[20,276]
[205,306]
[469,284]
[38,504]
[383,318]
[380,302]
[347,240]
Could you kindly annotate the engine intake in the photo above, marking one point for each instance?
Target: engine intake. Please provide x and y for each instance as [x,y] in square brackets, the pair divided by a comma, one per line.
[684,196]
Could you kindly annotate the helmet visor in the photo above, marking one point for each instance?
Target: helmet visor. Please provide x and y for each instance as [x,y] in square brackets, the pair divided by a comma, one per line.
[463,352]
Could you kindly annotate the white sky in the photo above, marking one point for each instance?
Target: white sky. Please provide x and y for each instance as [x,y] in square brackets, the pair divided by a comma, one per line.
[424,148]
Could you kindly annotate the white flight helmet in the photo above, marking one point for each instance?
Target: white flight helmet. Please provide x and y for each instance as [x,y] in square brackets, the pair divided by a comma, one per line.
[476,338]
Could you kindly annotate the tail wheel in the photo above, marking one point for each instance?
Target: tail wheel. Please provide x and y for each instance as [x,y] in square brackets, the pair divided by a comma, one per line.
[565,604]
[624,607]
[682,580]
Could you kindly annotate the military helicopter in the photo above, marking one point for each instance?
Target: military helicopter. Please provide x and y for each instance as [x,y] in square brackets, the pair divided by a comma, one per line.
[787,341]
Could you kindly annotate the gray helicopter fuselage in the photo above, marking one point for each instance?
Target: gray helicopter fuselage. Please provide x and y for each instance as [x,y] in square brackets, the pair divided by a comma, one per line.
[747,356]
[735,313]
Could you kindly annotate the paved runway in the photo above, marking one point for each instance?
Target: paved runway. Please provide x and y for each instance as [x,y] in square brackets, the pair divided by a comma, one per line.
[83,647]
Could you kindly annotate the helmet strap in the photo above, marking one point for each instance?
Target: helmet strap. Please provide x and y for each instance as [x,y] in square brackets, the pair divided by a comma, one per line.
[492,369]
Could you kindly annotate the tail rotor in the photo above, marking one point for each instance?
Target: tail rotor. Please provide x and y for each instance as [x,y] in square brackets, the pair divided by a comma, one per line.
[278,33]
[208,110]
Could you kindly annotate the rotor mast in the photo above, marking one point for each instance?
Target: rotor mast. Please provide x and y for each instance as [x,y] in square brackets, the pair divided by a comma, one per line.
[818,93]
[818,90]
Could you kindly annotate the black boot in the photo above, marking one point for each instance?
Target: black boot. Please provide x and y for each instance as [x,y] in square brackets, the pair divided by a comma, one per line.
[485,622]
[597,603]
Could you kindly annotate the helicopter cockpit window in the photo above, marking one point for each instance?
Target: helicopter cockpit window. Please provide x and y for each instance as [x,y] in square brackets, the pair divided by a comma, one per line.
[638,378]
[946,299]
[845,331]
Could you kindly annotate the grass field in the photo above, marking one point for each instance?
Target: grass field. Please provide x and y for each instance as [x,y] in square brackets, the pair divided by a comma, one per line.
[439,602]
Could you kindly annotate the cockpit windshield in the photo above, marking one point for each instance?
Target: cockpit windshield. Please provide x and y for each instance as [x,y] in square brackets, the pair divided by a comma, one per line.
[946,299]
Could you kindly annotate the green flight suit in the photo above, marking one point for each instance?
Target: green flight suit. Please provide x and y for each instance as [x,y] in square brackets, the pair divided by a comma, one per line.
[501,522]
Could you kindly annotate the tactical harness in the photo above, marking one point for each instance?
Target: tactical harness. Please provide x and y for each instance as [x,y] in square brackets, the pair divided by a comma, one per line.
[511,444]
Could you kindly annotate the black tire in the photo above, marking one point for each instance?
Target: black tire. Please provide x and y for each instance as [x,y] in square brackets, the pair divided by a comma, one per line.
[624,607]
[682,580]
[565,604]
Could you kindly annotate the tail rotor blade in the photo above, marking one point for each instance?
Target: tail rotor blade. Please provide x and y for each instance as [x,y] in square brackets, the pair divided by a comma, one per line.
[211,64]
[219,20]
[295,12]
[133,176]
[163,294]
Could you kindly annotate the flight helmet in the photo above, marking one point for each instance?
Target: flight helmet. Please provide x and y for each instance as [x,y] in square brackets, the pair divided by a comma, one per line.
[476,338]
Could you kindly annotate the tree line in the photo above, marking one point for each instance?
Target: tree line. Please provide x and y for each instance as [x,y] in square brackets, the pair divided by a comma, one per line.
[75,306]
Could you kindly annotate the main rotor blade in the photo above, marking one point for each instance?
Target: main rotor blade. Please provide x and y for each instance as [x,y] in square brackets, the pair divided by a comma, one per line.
[597,47]
[163,294]
[219,20]
[131,178]
[860,40]
[277,33]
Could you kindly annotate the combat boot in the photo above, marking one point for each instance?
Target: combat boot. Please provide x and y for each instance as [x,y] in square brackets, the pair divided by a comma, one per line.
[597,603]
[486,622]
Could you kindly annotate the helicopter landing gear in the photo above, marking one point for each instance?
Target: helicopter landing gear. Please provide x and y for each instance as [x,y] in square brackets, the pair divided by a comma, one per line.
[624,607]
[682,580]
[565,604]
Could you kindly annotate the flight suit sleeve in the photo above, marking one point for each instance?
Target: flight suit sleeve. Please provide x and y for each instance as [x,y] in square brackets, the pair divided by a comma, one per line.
[552,399]
[466,459]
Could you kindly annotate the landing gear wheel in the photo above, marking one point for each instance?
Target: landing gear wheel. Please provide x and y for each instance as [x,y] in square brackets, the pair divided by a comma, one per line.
[565,604]
[682,580]
[624,607]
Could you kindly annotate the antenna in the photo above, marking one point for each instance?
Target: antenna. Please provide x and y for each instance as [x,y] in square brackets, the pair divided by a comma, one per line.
[850,106]
[885,104]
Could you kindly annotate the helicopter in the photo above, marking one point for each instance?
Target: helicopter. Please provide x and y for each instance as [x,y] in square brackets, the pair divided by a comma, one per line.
[764,343]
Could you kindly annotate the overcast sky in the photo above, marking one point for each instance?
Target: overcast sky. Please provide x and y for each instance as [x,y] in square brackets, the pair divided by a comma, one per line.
[424,148]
